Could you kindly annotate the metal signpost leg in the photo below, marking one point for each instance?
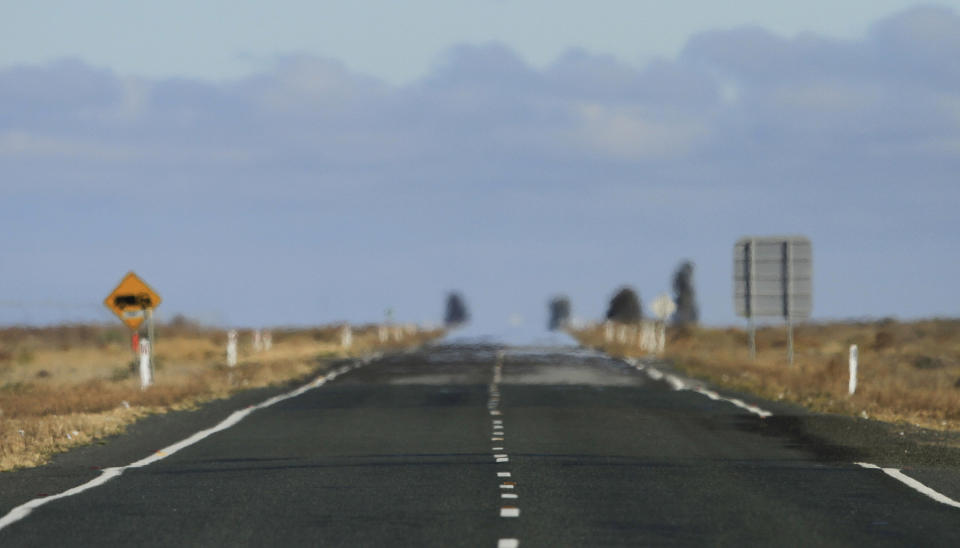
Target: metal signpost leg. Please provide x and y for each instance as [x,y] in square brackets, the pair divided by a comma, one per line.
[790,341]
[788,296]
[149,313]
[753,339]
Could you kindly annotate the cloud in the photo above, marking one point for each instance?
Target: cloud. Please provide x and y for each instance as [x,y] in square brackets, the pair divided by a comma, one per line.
[636,134]
[17,144]
[489,158]
[729,89]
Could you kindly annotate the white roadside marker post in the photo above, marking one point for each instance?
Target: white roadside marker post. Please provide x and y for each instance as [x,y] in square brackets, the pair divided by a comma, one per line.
[257,340]
[382,333]
[661,336]
[267,340]
[232,348]
[854,355]
[648,337]
[146,377]
[663,307]
[346,337]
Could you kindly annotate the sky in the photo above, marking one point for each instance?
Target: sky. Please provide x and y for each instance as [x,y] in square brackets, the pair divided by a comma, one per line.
[398,42]
[295,165]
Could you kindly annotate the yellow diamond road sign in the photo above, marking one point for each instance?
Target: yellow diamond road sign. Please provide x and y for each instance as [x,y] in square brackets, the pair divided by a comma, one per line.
[131,299]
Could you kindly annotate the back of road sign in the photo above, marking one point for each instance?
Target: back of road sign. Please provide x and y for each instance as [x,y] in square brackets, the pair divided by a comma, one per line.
[773,276]
[664,307]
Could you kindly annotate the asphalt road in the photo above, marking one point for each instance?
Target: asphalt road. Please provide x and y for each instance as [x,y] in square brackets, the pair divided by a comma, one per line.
[488,446]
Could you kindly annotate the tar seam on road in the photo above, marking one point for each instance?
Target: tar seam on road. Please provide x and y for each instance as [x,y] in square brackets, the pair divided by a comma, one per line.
[678,383]
[107,474]
[499,456]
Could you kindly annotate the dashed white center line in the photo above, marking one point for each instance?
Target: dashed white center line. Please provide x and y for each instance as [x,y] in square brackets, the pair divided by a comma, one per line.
[499,453]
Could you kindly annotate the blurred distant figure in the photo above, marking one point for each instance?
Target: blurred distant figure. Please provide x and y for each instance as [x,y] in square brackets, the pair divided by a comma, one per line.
[625,307]
[685,296]
[456,313]
[559,313]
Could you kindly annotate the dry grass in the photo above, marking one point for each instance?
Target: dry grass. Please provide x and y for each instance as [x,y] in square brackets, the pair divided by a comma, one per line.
[69,385]
[908,372]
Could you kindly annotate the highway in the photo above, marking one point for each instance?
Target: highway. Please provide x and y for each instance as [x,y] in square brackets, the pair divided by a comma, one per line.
[476,445]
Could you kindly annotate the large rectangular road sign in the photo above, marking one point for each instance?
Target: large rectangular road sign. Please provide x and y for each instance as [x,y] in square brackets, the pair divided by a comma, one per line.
[773,276]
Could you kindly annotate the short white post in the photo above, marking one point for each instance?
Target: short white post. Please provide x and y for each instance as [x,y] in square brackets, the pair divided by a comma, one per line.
[257,340]
[346,337]
[146,378]
[622,334]
[232,348]
[648,337]
[854,355]
[382,333]
[267,340]
[397,334]
[608,331]
[661,336]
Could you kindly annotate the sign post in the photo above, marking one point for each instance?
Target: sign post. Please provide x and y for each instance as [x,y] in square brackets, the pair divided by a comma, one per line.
[773,277]
[133,302]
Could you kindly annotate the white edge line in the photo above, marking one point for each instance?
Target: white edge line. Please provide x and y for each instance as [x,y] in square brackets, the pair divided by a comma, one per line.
[896,474]
[20,512]
[678,384]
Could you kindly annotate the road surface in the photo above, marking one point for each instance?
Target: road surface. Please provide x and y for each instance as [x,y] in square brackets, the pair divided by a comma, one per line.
[487,446]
